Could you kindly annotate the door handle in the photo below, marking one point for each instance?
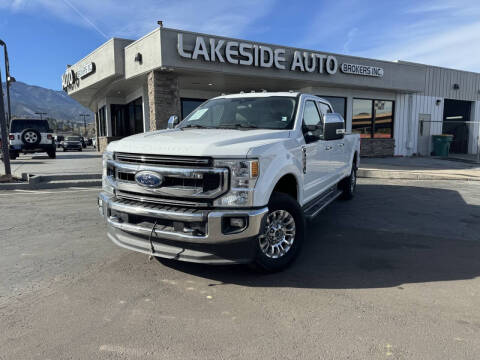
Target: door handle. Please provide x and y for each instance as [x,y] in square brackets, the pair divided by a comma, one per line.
[328,147]
[341,144]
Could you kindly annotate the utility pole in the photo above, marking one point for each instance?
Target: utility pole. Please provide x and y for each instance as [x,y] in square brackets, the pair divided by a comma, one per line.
[41,113]
[3,126]
[84,123]
[9,79]
[3,120]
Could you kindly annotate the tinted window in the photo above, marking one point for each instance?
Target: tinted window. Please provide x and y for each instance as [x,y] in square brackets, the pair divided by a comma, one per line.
[339,104]
[73,138]
[18,125]
[312,117]
[372,118]
[188,105]
[383,127]
[362,118]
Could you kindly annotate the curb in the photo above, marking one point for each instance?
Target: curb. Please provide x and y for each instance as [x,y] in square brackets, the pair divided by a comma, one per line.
[52,181]
[410,175]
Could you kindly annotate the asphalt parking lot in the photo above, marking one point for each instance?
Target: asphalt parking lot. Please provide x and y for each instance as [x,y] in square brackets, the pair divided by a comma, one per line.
[393,274]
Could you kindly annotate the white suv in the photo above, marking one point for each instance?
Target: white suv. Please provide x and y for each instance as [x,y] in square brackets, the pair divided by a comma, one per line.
[31,136]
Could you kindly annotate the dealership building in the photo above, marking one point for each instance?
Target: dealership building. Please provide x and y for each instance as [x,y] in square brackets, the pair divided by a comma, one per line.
[133,86]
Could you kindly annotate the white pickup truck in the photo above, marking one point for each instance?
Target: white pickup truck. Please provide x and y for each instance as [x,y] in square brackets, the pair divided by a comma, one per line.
[234,182]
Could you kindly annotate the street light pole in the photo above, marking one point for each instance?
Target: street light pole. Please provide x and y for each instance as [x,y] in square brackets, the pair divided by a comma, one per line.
[3,120]
[84,123]
[3,129]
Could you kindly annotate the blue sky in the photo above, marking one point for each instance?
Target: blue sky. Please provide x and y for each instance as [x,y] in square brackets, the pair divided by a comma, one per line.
[45,35]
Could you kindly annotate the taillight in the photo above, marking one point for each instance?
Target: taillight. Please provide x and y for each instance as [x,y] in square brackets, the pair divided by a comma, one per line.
[49,136]
[11,137]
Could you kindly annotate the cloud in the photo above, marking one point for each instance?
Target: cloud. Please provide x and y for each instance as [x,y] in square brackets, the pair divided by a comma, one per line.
[136,18]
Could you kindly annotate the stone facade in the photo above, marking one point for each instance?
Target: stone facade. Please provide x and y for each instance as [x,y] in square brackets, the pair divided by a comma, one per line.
[103,141]
[163,98]
[377,147]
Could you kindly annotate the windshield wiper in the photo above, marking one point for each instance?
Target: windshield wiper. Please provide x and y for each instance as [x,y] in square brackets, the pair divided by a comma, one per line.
[195,126]
[239,126]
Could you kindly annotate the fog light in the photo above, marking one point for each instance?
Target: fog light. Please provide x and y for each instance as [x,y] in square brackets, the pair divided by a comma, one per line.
[237,222]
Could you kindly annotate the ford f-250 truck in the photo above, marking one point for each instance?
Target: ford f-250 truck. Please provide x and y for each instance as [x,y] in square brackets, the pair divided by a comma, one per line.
[234,182]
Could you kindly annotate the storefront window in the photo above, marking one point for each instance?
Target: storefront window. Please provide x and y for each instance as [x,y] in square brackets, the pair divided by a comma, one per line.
[339,104]
[383,119]
[102,125]
[188,105]
[127,119]
[372,118]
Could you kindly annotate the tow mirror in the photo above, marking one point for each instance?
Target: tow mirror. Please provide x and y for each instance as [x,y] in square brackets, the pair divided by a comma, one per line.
[172,122]
[334,127]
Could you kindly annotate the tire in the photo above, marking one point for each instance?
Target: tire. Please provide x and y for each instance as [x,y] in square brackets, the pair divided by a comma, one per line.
[269,256]
[13,155]
[31,137]
[80,149]
[64,149]
[52,154]
[349,184]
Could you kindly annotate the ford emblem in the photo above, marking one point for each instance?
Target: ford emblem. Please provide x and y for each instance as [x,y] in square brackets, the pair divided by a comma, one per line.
[148,179]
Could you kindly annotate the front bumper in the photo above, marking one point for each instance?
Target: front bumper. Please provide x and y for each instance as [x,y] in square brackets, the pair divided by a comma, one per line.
[72,146]
[179,241]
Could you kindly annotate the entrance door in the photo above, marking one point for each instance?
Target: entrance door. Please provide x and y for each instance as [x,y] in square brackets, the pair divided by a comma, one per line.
[456,114]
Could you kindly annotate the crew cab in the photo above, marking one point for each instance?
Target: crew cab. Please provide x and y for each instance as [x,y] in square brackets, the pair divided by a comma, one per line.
[30,136]
[234,182]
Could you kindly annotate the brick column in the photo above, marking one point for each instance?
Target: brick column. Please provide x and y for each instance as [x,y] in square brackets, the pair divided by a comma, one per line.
[163,98]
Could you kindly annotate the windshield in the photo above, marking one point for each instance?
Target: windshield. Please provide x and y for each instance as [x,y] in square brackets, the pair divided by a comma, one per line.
[275,112]
[73,138]
[18,125]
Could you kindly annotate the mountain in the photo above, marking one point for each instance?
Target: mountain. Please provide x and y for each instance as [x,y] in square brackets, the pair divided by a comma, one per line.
[28,99]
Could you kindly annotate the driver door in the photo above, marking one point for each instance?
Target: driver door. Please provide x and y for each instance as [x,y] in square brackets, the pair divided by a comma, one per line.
[315,158]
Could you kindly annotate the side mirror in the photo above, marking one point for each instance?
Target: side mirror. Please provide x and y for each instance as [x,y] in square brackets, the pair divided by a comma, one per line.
[172,122]
[334,127]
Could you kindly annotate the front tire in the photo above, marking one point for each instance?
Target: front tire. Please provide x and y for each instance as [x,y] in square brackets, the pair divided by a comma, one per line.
[282,236]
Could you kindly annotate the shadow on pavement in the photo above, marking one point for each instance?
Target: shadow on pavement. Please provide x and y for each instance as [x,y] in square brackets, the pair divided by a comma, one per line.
[387,236]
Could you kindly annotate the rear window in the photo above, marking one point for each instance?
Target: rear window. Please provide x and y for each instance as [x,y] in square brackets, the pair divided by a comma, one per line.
[18,125]
[73,138]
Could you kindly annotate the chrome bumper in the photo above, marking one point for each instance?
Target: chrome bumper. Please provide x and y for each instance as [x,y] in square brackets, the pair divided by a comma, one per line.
[135,236]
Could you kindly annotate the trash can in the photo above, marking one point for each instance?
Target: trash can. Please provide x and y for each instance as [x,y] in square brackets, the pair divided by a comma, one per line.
[441,144]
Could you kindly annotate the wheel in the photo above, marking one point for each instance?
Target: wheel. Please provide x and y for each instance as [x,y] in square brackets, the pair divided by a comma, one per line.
[31,136]
[282,235]
[64,149]
[80,149]
[52,154]
[349,184]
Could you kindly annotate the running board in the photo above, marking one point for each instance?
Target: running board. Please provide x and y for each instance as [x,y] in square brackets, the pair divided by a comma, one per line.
[314,207]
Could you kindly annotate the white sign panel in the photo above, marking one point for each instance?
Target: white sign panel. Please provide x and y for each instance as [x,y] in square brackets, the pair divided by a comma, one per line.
[363,70]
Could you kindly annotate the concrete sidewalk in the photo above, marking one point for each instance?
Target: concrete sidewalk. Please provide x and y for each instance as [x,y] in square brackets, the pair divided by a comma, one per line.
[418,168]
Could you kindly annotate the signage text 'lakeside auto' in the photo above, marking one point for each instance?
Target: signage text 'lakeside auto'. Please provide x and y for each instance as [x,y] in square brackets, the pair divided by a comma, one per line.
[248,54]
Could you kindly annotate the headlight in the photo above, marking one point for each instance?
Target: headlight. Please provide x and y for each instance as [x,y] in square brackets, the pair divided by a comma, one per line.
[107,171]
[244,175]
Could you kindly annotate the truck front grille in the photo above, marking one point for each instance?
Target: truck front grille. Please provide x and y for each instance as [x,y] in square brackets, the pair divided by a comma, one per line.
[143,159]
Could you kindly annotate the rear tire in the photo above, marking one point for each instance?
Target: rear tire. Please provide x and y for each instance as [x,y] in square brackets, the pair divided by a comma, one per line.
[52,154]
[13,155]
[282,236]
[349,184]
[80,149]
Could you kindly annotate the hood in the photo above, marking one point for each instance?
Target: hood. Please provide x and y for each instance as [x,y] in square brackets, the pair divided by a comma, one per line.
[198,142]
